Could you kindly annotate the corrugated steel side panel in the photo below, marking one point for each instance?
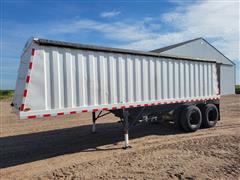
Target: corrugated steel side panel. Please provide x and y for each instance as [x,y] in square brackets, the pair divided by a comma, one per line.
[66,80]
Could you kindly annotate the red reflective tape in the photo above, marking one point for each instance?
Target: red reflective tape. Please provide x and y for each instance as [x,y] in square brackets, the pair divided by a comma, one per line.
[33,52]
[139,105]
[46,115]
[145,104]
[24,93]
[22,107]
[60,113]
[95,110]
[27,79]
[113,108]
[123,107]
[73,112]
[105,109]
[84,110]
[131,106]
[32,117]
[30,65]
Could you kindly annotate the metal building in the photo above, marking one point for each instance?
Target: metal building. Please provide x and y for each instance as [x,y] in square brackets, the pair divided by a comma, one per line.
[200,48]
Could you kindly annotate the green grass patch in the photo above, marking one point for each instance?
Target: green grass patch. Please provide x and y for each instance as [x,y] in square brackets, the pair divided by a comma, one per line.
[6,94]
[237,89]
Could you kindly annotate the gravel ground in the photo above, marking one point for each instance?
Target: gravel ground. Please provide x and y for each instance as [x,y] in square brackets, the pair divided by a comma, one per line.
[64,148]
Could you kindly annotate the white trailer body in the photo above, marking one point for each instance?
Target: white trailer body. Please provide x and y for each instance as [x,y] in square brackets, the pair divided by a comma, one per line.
[57,78]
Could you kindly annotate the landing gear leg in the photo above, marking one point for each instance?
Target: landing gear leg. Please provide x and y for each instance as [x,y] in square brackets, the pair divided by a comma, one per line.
[94,122]
[126,129]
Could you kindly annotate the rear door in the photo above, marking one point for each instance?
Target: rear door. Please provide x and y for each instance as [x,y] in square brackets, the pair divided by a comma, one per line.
[21,79]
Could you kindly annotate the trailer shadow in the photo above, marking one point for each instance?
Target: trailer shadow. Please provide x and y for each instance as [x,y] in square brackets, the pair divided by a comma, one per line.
[26,148]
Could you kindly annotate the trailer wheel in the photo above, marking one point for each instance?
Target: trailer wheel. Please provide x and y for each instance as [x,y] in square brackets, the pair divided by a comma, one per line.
[191,118]
[177,117]
[210,115]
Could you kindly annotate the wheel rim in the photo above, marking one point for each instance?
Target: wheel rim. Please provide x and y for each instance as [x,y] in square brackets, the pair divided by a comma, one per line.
[212,115]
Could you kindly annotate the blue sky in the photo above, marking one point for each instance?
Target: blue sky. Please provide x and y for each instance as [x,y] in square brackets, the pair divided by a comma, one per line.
[137,25]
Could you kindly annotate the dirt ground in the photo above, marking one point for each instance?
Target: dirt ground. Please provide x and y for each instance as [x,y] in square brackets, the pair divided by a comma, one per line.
[64,148]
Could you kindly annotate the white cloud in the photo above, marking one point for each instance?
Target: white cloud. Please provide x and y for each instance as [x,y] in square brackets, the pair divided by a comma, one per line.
[170,17]
[217,21]
[117,31]
[109,14]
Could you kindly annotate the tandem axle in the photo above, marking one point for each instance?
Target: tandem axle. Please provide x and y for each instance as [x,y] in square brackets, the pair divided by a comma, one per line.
[186,116]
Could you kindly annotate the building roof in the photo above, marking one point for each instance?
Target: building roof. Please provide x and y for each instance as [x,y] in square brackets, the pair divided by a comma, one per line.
[164,49]
[173,46]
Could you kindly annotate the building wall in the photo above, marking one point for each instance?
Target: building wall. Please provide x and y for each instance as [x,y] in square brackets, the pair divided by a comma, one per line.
[227,80]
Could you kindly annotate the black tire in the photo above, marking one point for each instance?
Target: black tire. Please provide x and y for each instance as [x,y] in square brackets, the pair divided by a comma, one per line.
[177,117]
[191,118]
[210,116]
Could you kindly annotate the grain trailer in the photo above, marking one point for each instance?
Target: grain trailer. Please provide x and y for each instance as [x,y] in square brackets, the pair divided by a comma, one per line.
[59,78]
